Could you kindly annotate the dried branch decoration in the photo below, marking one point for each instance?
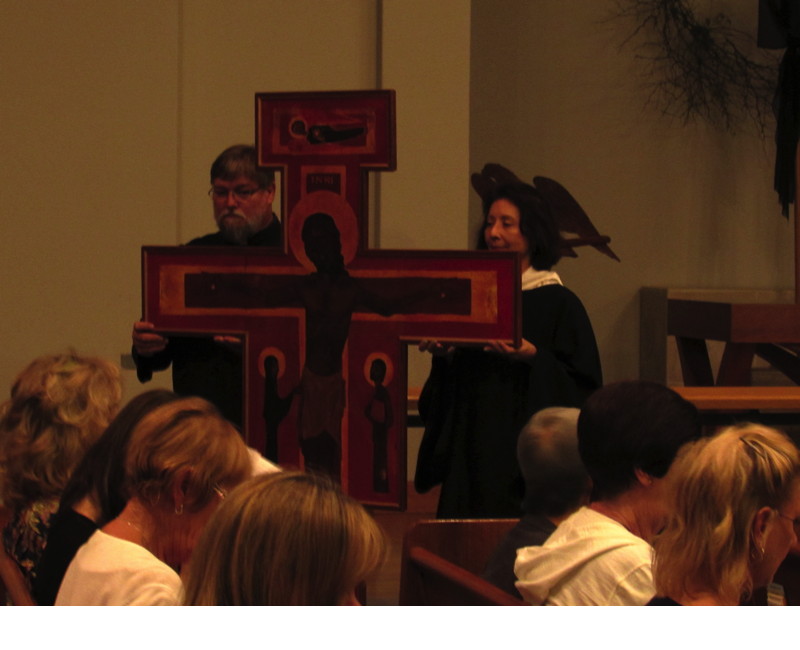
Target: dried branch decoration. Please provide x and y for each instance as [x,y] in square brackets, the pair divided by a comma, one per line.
[698,69]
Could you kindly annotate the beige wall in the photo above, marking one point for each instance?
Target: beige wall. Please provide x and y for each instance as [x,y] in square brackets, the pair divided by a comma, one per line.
[110,113]
[88,123]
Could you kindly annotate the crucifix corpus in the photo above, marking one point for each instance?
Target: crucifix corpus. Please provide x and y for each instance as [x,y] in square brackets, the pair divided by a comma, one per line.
[325,322]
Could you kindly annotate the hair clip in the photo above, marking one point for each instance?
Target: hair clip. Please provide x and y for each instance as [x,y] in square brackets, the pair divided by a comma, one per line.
[757,448]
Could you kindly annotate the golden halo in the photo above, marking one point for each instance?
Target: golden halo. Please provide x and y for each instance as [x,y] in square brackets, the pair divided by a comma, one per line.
[389,367]
[274,352]
[342,214]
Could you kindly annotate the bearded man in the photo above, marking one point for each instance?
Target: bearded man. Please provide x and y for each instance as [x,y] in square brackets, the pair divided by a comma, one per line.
[241,195]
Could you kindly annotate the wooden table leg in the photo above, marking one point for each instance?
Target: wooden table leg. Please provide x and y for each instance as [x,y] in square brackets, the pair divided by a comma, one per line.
[736,363]
[695,363]
[781,359]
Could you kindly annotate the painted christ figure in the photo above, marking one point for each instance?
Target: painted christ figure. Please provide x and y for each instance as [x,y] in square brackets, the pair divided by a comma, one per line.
[330,296]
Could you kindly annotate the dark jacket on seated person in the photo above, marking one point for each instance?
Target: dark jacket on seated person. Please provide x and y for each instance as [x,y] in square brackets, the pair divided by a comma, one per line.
[68,532]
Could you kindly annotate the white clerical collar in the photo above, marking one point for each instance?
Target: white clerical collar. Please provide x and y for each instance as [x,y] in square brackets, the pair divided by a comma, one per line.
[533,279]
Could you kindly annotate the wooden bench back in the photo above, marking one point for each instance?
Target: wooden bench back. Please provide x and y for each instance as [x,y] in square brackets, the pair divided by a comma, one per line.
[443,560]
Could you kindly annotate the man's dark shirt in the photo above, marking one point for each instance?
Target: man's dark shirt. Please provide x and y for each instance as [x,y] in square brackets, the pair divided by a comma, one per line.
[200,366]
[270,236]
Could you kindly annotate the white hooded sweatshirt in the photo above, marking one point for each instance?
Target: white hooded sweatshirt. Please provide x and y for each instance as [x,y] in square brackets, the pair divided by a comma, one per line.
[590,559]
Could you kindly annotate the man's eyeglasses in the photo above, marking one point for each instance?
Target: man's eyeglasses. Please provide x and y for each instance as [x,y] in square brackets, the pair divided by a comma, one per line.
[240,193]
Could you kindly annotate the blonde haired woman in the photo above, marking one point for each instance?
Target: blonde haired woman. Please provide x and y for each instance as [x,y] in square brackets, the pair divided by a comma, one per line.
[735,513]
[182,458]
[59,406]
[285,539]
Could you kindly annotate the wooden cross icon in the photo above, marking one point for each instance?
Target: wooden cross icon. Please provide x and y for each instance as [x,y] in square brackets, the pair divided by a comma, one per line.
[324,323]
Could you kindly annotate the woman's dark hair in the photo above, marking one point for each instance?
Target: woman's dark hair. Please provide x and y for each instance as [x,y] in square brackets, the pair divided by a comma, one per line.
[101,472]
[536,223]
[632,425]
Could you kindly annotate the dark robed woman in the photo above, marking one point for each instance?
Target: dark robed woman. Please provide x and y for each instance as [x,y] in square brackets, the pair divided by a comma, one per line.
[476,401]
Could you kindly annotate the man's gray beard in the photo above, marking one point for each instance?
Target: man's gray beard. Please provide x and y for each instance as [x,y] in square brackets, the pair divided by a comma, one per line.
[236,232]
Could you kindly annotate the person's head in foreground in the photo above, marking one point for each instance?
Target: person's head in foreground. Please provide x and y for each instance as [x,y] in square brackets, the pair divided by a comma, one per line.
[629,433]
[735,508]
[96,486]
[59,406]
[94,492]
[556,482]
[182,460]
[289,538]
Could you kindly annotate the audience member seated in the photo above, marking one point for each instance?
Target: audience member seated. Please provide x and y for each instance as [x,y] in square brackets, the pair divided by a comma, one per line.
[59,405]
[285,539]
[182,459]
[93,496]
[735,511]
[628,436]
[556,485]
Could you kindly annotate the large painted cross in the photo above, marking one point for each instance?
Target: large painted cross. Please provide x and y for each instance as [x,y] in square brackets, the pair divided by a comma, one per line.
[325,322]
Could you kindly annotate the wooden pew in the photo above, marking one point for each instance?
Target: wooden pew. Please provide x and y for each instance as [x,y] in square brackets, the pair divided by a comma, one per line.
[719,405]
[443,559]
[734,398]
[777,406]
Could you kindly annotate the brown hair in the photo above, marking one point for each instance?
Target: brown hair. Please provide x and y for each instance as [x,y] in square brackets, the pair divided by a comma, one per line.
[288,538]
[187,435]
[59,406]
